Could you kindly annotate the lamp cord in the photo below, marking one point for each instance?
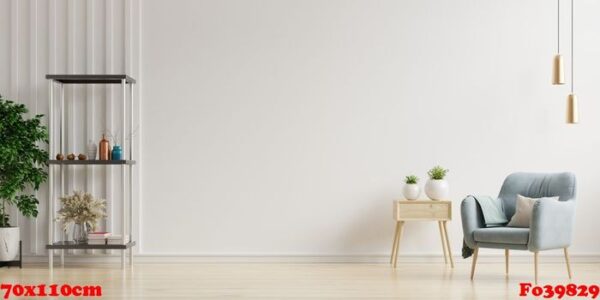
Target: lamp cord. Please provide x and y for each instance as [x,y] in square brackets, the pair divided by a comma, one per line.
[558,28]
[572,61]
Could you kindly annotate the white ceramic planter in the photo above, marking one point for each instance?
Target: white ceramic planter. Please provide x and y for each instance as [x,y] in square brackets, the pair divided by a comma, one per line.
[437,189]
[411,191]
[9,243]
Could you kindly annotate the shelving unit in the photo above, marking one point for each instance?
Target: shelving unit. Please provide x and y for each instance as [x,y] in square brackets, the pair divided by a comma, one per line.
[57,145]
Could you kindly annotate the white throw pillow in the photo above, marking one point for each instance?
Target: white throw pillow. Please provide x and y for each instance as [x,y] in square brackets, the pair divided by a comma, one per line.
[522,215]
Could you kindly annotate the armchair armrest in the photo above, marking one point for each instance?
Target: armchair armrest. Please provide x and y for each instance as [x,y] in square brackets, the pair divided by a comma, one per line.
[551,224]
[472,219]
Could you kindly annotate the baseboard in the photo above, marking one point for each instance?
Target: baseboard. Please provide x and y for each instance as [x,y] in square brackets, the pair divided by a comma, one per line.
[518,257]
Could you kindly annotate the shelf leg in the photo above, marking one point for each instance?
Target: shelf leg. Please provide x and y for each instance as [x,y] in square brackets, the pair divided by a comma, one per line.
[131,257]
[123,168]
[131,212]
[62,258]
[50,259]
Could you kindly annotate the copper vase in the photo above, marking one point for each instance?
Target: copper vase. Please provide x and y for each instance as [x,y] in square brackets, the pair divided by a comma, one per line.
[104,149]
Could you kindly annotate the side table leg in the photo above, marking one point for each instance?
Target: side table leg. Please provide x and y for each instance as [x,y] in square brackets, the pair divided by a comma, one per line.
[394,244]
[443,241]
[399,226]
[448,244]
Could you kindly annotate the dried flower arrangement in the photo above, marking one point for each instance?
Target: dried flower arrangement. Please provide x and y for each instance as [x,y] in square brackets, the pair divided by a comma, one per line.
[81,208]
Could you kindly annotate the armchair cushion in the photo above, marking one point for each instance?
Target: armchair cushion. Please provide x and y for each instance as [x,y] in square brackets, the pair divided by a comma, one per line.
[502,235]
[522,216]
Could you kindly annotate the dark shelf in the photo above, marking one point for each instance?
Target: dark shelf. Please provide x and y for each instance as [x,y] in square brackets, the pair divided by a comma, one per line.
[91,162]
[73,245]
[90,78]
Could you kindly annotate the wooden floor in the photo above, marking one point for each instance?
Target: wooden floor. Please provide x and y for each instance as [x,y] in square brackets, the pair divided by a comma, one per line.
[302,281]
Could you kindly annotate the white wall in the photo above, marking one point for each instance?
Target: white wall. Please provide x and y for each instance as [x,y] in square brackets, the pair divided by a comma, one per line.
[286,127]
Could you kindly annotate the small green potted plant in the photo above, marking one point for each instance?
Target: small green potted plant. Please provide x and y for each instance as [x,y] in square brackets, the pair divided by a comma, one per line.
[411,189]
[23,163]
[437,187]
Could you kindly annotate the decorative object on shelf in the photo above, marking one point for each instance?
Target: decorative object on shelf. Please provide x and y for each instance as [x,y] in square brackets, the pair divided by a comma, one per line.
[558,69]
[104,148]
[79,232]
[411,189]
[92,149]
[98,238]
[572,106]
[83,211]
[81,156]
[117,239]
[117,153]
[22,169]
[437,187]
[60,156]
[71,156]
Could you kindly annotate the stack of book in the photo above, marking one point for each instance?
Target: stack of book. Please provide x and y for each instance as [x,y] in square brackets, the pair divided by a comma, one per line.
[106,238]
[97,238]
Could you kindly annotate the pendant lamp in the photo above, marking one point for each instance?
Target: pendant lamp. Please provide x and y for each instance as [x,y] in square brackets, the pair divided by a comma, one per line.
[558,68]
[572,107]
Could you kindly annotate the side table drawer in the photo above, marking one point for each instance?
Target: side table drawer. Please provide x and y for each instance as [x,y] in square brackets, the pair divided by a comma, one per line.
[423,211]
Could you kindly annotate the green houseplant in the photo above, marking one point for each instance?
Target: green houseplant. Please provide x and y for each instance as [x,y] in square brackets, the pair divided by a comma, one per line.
[411,189]
[437,187]
[22,166]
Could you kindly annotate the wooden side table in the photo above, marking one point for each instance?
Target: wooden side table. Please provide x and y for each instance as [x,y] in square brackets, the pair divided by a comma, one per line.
[422,210]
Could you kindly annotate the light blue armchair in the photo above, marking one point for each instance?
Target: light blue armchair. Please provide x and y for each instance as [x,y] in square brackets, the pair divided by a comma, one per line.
[551,223]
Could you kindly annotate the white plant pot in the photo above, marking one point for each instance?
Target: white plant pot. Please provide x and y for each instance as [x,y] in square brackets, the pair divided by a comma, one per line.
[9,243]
[411,191]
[437,189]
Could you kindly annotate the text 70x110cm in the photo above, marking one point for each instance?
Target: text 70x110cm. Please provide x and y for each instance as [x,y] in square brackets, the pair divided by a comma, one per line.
[52,290]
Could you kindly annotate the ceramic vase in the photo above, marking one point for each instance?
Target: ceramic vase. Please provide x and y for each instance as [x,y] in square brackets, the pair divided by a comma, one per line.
[9,243]
[117,153]
[437,189]
[411,191]
[104,147]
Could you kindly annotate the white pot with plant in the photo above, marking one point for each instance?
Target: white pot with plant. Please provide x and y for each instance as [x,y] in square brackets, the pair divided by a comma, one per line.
[437,187]
[411,189]
[81,212]
[22,166]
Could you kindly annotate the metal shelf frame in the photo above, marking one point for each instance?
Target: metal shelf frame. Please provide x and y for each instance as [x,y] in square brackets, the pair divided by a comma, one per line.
[57,145]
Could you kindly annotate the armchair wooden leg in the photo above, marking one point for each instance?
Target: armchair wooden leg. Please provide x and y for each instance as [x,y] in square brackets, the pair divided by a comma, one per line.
[475,253]
[568,263]
[535,265]
[506,260]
